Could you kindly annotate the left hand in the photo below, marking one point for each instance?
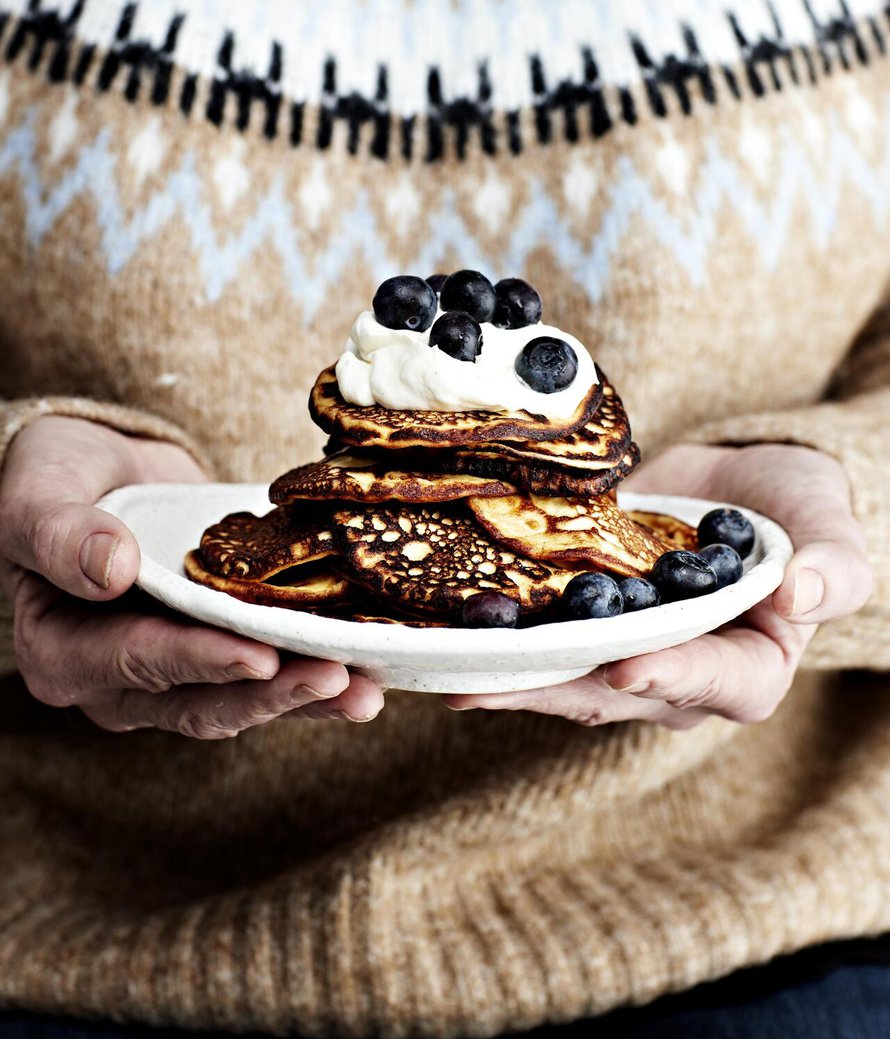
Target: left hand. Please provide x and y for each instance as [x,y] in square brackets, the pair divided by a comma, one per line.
[742,670]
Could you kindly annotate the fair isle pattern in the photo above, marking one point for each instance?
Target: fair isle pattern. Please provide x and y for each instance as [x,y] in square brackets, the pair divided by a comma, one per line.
[440,875]
[475,65]
[311,271]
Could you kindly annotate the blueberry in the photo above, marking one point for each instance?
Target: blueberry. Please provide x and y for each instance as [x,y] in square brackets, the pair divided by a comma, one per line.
[436,281]
[490,610]
[592,595]
[726,527]
[638,594]
[724,561]
[470,292]
[518,304]
[682,575]
[405,302]
[547,364]
[458,335]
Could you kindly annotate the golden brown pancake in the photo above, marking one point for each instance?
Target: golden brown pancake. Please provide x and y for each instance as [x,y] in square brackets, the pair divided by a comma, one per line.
[571,532]
[352,476]
[385,427]
[364,612]
[670,529]
[256,547]
[546,479]
[411,622]
[313,589]
[433,557]
[599,444]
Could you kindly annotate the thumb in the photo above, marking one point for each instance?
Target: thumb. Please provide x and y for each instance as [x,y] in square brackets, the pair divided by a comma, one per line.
[48,522]
[825,579]
[829,575]
[78,548]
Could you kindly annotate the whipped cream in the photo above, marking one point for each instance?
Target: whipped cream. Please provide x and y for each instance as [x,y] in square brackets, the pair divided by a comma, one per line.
[397,368]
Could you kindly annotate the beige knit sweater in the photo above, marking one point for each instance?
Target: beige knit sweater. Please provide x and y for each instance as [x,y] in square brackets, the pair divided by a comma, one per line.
[183,243]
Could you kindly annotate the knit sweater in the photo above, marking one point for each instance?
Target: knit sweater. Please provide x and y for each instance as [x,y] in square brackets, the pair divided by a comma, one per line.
[194,203]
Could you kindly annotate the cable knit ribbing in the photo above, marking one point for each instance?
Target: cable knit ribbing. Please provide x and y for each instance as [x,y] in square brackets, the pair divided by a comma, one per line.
[723,864]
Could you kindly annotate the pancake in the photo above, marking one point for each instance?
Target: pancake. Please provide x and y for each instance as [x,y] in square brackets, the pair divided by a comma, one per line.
[411,622]
[313,588]
[600,443]
[256,547]
[385,427]
[571,532]
[430,558]
[367,612]
[670,529]
[351,476]
[546,479]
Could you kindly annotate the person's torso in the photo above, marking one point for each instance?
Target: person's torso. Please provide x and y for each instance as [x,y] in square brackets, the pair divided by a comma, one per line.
[195,205]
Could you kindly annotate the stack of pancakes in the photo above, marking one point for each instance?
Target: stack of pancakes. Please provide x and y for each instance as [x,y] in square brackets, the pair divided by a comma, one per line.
[412,512]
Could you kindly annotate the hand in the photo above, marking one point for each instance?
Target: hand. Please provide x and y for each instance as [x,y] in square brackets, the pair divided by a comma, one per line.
[124,666]
[743,670]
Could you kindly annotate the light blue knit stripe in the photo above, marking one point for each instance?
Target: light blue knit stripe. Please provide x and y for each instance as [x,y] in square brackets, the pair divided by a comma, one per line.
[633,203]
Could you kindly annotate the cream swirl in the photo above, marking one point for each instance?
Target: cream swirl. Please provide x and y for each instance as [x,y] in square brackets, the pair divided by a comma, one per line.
[397,368]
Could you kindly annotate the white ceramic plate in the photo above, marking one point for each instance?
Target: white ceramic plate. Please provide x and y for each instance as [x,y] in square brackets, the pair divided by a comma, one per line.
[168,520]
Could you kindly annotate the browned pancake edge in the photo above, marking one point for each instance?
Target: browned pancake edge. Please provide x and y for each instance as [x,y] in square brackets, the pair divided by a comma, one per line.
[376,426]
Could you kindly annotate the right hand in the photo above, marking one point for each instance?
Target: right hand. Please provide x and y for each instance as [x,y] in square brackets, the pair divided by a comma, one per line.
[124,664]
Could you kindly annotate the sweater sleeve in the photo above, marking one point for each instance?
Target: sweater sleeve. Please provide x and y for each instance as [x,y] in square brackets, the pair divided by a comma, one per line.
[852,426]
[16,414]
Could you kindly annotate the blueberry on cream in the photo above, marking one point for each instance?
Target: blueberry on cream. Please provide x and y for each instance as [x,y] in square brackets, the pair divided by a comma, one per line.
[436,281]
[518,304]
[405,302]
[547,364]
[471,292]
[457,335]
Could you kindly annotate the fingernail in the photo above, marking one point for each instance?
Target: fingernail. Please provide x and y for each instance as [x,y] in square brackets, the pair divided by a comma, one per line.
[632,687]
[463,707]
[342,716]
[96,557]
[246,671]
[809,592]
[300,692]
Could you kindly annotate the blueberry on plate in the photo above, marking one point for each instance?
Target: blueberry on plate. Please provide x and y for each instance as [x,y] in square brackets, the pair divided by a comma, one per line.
[471,292]
[405,302]
[638,594]
[458,335]
[727,527]
[436,281]
[591,595]
[547,364]
[518,304]
[682,575]
[490,610]
[724,561]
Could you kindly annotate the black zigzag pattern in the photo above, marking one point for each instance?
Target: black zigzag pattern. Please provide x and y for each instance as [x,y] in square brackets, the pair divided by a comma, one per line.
[572,108]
